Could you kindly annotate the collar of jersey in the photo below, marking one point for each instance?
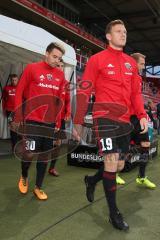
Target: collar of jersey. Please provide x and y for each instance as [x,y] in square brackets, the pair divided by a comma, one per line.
[114,50]
[47,65]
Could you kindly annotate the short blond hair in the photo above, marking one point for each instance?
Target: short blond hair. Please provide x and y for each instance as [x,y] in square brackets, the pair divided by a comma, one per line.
[112,24]
[137,56]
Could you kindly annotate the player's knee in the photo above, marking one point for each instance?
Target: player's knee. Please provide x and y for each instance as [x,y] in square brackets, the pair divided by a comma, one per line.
[28,156]
[145,144]
[144,154]
[120,165]
[110,162]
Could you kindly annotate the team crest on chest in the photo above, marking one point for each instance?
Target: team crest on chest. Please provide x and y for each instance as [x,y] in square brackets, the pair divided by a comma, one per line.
[128,65]
[49,77]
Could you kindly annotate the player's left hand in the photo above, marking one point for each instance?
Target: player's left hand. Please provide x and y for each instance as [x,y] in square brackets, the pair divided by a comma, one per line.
[57,129]
[144,125]
[67,118]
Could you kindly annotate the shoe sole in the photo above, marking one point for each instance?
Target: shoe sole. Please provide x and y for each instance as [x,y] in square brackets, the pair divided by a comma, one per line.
[120,183]
[39,198]
[53,175]
[121,229]
[144,186]
[23,192]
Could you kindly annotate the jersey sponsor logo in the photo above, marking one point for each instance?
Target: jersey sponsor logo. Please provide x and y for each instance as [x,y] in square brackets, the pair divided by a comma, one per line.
[111,72]
[48,86]
[11,92]
[49,77]
[42,77]
[128,65]
[110,65]
[128,73]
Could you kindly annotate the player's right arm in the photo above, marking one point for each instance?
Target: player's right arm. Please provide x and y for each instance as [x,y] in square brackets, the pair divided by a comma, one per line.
[86,86]
[22,86]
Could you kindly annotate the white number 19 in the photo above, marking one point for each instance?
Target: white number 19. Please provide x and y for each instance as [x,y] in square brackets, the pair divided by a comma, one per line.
[107,144]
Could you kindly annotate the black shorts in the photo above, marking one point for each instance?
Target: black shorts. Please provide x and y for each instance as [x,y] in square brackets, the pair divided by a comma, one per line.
[112,136]
[61,133]
[136,137]
[9,115]
[63,124]
[38,137]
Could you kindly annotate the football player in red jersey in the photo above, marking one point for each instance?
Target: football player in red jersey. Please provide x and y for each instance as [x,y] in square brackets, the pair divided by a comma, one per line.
[113,75]
[39,99]
[8,104]
[65,116]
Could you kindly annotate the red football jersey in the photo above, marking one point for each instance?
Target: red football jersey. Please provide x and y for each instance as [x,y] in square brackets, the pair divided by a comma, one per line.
[114,77]
[66,110]
[8,98]
[132,111]
[41,87]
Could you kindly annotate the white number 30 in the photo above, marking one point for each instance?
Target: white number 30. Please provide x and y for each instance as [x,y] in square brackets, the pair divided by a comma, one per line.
[30,145]
[106,144]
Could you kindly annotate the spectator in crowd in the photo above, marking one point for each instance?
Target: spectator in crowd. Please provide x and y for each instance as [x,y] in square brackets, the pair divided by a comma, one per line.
[158,118]
[8,104]
[151,111]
